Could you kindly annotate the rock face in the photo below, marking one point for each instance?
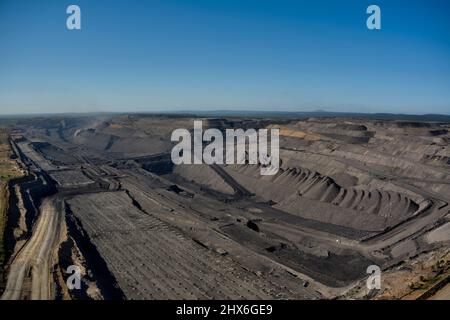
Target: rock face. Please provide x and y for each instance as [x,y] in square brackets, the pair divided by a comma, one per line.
[303,192]
[365,175]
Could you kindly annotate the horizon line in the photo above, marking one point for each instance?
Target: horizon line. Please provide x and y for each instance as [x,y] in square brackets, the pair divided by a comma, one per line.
[191,111]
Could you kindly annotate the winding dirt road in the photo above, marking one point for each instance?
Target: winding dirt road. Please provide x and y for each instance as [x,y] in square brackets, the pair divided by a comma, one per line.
[35,258]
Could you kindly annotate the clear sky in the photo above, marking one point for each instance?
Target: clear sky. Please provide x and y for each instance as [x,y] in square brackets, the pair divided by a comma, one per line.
[166,55]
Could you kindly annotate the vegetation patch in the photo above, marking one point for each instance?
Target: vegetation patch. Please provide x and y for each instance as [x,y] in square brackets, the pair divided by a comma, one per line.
[8,170]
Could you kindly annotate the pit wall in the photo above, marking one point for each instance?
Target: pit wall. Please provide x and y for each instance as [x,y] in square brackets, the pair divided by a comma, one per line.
[32,190]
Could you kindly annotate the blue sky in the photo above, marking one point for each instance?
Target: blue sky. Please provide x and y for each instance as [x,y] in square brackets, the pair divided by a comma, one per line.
[165,55]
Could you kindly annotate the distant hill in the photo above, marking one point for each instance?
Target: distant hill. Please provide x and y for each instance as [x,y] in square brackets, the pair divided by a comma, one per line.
[11,119]
[318,114]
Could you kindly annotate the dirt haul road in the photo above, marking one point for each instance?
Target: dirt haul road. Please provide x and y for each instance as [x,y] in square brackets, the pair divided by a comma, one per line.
[35,257]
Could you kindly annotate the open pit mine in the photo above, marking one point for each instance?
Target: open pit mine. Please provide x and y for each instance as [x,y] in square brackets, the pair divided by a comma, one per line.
[102,194]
